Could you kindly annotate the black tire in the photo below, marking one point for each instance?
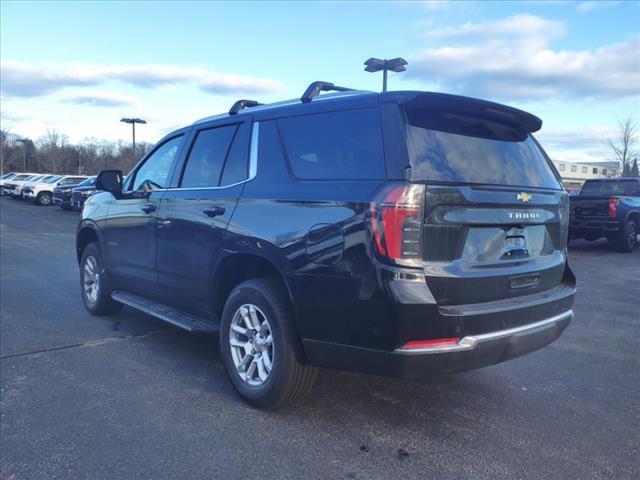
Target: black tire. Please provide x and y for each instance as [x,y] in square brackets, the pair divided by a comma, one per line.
[103,304]
[290,377]
[43,198]
[628,239]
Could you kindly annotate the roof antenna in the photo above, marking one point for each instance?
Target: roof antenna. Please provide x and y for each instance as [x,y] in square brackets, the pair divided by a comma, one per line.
[394,65]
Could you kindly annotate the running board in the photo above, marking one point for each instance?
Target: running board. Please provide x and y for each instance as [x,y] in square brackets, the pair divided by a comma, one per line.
[186,321]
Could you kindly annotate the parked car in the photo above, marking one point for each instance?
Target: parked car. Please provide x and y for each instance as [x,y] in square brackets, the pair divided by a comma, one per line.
[401,233]
[62,194]
[608,208]
[27,187]
[42,192]
[4,178]
[80,193]
[13,188]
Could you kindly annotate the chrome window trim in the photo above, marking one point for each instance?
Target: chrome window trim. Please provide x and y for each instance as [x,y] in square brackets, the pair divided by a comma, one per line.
[253,166]
[471,341]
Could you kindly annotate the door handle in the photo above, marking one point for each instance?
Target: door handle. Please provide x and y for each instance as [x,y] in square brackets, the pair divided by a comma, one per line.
[213,211]
[149,207]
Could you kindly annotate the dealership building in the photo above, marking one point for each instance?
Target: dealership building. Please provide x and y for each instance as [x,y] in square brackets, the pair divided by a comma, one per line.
[574,174]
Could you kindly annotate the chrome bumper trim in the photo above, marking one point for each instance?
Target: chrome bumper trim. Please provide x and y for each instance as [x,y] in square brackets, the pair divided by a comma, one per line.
[470,342]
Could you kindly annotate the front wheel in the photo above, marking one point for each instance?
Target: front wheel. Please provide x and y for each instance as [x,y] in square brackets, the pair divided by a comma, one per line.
[94,283]
[43,198]
[259,347]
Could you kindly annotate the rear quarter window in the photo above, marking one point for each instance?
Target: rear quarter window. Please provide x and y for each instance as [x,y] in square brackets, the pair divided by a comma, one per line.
[345,145]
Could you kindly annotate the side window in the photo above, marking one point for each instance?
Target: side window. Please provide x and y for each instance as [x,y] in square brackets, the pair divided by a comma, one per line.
[236,168]
[338,145]
[154,172]
[207,157]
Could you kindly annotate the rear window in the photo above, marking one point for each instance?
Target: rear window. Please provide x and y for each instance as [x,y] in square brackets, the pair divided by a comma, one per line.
[613,187]
[453,147]
[344,145]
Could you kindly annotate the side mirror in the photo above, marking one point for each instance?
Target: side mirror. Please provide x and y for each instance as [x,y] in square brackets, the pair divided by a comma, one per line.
[110,181]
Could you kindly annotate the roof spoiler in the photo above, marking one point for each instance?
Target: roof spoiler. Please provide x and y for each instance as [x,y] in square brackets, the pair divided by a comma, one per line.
[481,108]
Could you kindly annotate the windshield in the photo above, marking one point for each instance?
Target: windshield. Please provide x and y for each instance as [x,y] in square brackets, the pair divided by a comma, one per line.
[611,187]
[454,147]
[7,175]
[53,179]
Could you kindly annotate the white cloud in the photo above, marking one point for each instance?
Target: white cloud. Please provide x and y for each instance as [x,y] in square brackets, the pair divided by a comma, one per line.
[591,5]
[511,59]
[22,79]
[99,98]
[526,25]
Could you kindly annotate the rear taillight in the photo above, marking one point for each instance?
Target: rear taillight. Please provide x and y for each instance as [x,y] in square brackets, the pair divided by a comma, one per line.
[396,223]
[613,208]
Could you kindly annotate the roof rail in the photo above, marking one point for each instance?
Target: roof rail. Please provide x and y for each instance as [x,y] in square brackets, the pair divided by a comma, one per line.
[241,104]
[315,88]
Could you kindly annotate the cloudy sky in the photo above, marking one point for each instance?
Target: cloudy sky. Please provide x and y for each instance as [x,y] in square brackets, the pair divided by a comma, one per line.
[79,67]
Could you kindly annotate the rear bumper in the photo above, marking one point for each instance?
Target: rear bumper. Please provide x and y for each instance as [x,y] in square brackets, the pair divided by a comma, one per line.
[593,227]
[471,352]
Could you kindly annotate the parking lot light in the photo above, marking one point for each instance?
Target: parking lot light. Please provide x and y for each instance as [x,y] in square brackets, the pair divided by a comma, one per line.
[133,122]
[376,64]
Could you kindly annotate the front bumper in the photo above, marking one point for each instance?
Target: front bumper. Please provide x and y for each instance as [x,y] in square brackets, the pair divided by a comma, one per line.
[29,194]
[471,352]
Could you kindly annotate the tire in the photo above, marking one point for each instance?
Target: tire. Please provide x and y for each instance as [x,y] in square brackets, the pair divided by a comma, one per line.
[98,302]
[43,198]
[65,207]
[289,378]
[628,239]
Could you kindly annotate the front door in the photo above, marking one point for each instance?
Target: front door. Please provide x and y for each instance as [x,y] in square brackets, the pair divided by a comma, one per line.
[193,217]
[131,226]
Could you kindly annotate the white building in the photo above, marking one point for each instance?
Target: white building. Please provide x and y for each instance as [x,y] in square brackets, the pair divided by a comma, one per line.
[574,174]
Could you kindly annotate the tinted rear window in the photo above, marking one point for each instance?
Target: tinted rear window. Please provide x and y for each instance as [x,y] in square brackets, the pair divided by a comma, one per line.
[605,188]
[452,147]
[342,145]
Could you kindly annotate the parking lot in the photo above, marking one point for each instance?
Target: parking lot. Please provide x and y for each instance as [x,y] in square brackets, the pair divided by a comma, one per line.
[131,397]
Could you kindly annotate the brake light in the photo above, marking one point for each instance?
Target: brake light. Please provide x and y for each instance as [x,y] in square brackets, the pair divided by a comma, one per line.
[438,342]
[613,207]
[396,221]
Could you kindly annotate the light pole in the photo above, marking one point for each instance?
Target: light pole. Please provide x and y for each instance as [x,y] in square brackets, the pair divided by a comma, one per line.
[24,142]
[377,64]
[133,122]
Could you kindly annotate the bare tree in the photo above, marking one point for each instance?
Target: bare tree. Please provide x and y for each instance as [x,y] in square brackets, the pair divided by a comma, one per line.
[624,145]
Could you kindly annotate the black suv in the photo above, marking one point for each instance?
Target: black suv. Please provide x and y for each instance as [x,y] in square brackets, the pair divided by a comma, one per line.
[401,233]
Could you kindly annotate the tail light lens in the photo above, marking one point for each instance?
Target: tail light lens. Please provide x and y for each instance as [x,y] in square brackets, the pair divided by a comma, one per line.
[613,208]
[396,223]
[563,211]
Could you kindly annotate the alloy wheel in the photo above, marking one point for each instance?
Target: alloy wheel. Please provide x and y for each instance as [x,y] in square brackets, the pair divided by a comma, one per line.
[91,279]
[251,344]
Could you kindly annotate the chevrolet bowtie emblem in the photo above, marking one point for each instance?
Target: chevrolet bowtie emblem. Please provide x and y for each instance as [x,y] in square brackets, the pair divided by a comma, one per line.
[524,197]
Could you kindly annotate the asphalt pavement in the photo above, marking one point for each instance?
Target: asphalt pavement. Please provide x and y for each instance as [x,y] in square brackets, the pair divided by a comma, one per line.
[130,397]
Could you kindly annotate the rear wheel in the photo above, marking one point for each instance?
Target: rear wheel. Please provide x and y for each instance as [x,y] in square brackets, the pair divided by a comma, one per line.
[259,346]
[43,198]
[628,238]
[94,283]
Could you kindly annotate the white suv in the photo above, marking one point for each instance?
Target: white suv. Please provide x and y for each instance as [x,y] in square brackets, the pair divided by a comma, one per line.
[42,191]
[14,186]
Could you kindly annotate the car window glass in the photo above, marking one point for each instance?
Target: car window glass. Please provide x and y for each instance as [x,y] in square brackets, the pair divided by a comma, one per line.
[337,145]
[154,172]
[236,166]
[207,157]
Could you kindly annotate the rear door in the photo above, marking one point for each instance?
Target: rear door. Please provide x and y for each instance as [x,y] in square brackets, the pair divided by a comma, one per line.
[495,216]
[194,215]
